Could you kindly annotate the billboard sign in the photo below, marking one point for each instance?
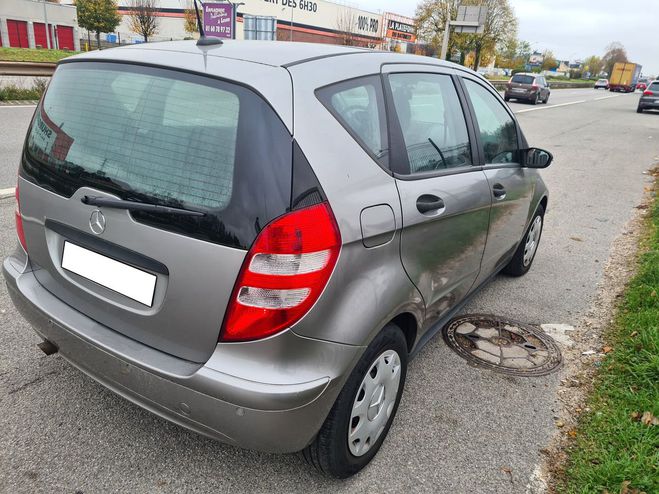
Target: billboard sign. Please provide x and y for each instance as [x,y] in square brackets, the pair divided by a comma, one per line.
[218,20]
[401,31]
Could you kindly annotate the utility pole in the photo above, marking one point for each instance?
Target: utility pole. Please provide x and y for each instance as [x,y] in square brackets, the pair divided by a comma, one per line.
[234,16]
[45,17]
[291,23]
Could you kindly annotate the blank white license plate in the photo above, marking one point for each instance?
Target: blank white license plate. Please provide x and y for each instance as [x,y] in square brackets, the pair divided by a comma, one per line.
[117,276]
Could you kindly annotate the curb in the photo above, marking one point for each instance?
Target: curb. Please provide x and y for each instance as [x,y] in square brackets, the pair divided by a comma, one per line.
[27,102]
[7,193]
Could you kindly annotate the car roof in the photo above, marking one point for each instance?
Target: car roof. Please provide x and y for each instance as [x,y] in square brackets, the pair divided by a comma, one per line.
[527,73]
[273,53]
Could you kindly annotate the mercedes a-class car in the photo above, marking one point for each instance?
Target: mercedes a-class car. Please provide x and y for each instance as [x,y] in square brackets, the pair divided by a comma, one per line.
[252,239]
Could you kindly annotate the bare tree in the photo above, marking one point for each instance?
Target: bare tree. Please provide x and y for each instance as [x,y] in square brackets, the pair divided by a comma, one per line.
[143,19]
[346,25]
[615,52]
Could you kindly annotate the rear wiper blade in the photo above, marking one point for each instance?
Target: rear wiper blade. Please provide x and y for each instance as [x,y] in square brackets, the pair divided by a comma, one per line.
[137,206]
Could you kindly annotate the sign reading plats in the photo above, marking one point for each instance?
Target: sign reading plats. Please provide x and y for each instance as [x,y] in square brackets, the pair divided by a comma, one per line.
[218,20]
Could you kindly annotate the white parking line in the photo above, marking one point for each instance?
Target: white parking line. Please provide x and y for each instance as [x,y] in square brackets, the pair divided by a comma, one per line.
[17,106]
[552,106]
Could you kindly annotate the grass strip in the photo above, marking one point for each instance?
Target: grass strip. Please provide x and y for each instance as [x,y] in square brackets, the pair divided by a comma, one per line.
[617,443]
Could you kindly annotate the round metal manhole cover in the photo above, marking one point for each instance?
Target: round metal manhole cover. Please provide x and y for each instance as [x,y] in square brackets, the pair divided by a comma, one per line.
[502,345]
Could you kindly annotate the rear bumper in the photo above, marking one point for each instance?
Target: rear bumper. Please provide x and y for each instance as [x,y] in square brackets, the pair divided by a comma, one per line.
[646,104]
[270,396]
[515,95]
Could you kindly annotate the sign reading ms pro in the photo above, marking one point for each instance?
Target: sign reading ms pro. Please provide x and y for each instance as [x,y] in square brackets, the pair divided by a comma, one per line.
[218,20]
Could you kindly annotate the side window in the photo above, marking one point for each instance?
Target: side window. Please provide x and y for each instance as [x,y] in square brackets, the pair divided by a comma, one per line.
[358,105]
[431,120]
[497,128]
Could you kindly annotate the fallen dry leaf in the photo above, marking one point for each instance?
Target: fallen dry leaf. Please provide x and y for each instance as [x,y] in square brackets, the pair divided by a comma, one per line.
[653,293]
[560,423]
[634,334]
[572,433]
[576,239]
[607,349]
[635,415]
[648,419]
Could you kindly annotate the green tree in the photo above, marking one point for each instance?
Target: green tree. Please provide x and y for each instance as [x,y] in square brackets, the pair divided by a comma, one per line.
[98,16]
[500,28]
[549,60]
[615,53]
[594,65]
[430,20]
[190,19]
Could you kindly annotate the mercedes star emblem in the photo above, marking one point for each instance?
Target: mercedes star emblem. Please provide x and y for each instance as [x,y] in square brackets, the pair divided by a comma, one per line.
[97,222]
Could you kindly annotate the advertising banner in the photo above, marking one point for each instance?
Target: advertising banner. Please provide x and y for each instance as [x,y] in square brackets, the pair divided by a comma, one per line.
[218,20]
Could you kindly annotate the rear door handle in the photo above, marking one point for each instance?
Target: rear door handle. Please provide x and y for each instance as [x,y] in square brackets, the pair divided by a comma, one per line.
[498,191]
[428,203]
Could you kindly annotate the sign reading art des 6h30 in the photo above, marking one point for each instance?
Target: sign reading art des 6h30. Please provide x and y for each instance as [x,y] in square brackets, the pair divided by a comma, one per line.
[218,20]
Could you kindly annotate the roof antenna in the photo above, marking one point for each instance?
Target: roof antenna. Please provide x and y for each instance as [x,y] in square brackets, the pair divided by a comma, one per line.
[203,39]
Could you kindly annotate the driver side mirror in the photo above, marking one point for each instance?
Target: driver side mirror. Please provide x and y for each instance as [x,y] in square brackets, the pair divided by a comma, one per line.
[537,158]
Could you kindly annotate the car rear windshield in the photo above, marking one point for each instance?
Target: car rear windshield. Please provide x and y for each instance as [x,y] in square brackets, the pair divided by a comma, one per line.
[523,79]
[654,86]
[166,137]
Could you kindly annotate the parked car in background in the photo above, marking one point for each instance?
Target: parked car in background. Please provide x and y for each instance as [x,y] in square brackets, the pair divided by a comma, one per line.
[650,98]
[528,87]
[253,243]
[602,84]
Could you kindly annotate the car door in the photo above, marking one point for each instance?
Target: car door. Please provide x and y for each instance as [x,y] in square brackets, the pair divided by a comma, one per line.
[445,199]
[509,183]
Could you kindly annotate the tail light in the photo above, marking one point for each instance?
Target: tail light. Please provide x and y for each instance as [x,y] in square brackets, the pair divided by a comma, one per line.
[534,87]
[648,93]
[19,221]
[283,274]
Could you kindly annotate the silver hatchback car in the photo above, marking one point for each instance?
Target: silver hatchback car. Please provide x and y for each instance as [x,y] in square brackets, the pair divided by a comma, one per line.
[252,239]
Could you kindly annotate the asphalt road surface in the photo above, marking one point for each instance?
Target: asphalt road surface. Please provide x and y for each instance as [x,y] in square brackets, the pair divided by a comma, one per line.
[458,429]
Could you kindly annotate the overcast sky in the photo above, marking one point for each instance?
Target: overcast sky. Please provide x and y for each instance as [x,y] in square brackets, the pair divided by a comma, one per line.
[574,29]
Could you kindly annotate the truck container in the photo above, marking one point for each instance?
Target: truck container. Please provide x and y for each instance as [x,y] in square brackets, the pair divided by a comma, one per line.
[624,77]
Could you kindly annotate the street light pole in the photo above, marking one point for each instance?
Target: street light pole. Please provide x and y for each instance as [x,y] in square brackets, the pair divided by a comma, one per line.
[45,17]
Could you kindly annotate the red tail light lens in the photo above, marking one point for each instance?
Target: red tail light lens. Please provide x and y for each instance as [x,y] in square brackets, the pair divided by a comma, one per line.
[19,221]
[648,93]
[283,274]
[535,87]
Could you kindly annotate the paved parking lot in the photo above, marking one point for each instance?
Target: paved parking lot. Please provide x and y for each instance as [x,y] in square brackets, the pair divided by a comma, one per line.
[458,430]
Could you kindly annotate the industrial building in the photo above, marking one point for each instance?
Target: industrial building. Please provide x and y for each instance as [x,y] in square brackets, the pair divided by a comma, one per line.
[24,24]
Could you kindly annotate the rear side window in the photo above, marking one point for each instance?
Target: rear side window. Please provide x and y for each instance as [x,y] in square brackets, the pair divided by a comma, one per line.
[431,121]
[164,137]
[523,79]
[358,104]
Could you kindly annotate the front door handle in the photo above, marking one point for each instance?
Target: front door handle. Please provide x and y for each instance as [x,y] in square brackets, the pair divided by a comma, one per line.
[498,191]
[428,203]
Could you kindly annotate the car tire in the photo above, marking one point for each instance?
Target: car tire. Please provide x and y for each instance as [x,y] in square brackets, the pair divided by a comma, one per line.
[546,100]
[506,98]
[639,109]
[331,452]
[523,259]
[536,100]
